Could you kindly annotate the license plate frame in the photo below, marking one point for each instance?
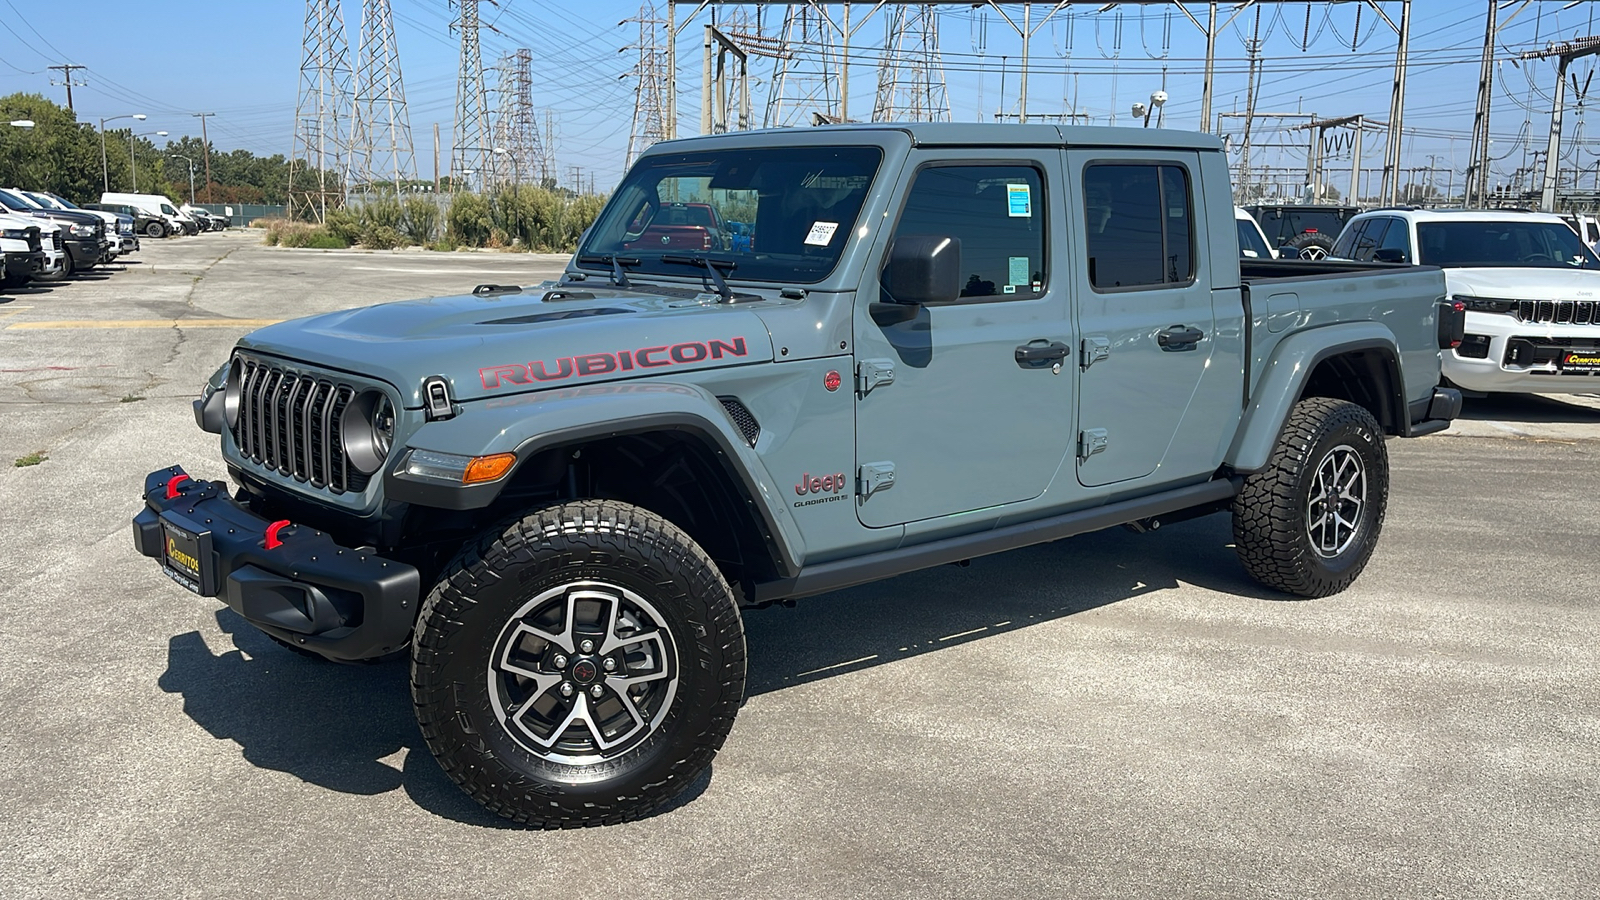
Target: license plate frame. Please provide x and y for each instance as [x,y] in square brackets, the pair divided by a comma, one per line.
[1588,362]
[186,554]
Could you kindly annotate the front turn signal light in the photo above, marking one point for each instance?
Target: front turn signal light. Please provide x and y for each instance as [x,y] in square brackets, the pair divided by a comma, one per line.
[484,469]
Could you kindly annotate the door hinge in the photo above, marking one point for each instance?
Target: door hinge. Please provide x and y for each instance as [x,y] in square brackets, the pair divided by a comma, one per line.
[1091,441]
[873,373]
[1096,347]
[874,477]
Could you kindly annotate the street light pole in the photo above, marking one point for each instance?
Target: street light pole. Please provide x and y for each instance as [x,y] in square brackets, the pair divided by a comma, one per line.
[133,164]
[191,174]
[105,172]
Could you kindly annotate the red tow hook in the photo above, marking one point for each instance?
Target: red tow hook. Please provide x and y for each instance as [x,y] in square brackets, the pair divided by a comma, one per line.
[272,533]
[172,485]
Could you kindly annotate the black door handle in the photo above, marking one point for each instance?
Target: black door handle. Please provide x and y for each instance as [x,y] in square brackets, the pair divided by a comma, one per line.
[1040,352]
[1180,337]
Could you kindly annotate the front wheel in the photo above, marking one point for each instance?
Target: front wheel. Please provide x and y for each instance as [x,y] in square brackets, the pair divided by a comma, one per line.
[155,229]
[1308,523]
[580,667]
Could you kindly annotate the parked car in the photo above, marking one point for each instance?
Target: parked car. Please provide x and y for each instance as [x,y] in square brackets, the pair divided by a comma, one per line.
[83,233]
[208,220]
[1529,286]
[952,340]
[1308,230]
[142,221]
[175,222]
[116,223]
[34,250]
[1252,242]
[677,226]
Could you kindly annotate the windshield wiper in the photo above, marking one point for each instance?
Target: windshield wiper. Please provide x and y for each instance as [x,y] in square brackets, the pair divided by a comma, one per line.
[619,275]
[712,267]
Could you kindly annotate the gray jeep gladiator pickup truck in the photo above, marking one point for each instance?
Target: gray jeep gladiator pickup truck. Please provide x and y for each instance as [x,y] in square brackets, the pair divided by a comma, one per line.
[940,341]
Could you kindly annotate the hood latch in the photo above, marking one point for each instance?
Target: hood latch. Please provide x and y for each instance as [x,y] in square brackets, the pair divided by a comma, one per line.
[436,398]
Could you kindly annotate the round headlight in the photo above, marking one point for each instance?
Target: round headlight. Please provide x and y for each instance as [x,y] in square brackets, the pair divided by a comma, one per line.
[231,390]
[368,431]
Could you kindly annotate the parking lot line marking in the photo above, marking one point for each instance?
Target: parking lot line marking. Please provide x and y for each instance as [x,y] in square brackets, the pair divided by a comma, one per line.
[142,323]
[951,637]
[12,310]
[837,666]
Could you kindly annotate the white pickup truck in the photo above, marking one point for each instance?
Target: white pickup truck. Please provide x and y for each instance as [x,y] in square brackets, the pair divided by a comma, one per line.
[1530,286]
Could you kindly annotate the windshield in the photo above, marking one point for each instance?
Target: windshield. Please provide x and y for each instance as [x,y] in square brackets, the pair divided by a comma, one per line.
[1539,245]
[1250,242]
[12,201]
[63,202]
[1283,224]
[44,202]
[779,215]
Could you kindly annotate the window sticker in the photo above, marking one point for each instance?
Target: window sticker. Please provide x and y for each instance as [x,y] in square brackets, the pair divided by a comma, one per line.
[1019,201]
[821,233]
[1019,271]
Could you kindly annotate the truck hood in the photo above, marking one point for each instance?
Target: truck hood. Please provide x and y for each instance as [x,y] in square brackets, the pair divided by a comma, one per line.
[1525,283]
[494,345]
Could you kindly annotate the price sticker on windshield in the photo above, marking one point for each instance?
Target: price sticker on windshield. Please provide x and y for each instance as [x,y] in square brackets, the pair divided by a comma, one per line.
[821,233]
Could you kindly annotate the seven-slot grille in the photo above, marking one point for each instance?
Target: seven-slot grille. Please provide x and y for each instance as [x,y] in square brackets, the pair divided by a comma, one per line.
[55,238]
[1559,312]
[291,423]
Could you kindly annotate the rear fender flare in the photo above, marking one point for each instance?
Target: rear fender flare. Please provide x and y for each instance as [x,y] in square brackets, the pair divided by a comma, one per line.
[1284,378]
[526,424]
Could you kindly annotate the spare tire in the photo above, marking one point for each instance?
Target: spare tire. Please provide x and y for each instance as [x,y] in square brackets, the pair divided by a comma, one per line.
[1310,245]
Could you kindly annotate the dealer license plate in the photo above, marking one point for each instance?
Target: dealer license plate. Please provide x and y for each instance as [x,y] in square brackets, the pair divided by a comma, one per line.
[1581,362]
[185,563]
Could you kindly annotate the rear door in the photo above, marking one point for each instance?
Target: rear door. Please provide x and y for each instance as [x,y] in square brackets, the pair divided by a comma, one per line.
[1144,309]
[948,419]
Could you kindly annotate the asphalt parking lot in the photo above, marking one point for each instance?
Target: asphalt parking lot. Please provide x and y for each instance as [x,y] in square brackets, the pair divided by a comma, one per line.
[1115,715]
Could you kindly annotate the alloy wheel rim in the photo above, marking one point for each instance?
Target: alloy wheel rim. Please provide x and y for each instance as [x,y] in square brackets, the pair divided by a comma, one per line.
[1313,252]
[583,672]
[1336,501]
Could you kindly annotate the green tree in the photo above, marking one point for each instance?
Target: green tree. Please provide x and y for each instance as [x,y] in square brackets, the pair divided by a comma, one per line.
[57,154]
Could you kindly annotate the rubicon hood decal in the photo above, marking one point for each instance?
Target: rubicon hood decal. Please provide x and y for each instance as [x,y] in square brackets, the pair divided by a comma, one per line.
[590,364]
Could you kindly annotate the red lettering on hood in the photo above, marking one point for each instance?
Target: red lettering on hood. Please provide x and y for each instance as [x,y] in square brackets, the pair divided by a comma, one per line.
[587,364]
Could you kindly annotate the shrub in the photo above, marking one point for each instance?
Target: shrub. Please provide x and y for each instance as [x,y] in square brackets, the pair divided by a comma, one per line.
[346,224]
[382,237]
[385,212]
[420,221]
[468,220]
[322,239]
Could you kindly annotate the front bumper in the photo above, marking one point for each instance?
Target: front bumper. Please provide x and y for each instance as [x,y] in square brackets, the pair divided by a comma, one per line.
[128,243]
[1501,353]
[25,263]
[291,582]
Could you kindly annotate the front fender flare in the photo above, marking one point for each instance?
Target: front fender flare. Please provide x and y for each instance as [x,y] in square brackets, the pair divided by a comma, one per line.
[529,423]
[1284,378]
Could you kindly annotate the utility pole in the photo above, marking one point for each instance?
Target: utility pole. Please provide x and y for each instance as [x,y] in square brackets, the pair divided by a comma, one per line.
[651,77]
[470,152]
[66,71]
[380,145]
[205,145]
[321,115]
[436,157]
[1564,52]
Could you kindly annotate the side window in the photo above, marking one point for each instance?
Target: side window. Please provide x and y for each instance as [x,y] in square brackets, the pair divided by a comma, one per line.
[1345,246]
[1140,225]
[1370,238]
[1398,237]
[997,213]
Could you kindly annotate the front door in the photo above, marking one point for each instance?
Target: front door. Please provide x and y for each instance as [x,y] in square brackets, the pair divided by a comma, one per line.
[1144,314]
[948,418]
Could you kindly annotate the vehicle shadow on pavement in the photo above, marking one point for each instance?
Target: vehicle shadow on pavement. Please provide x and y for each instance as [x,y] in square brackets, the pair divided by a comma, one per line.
[930,610]
[330,725]
[1529,408]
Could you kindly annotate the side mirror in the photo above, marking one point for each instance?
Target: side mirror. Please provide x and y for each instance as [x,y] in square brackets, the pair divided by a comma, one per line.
[1389,255]
[923,269]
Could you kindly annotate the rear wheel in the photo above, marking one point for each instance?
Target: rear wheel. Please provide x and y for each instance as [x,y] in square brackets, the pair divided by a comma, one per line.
[1311,245]
[580,667]
[1308,523]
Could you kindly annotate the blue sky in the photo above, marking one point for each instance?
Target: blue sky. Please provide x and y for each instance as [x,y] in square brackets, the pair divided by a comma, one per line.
[240,59]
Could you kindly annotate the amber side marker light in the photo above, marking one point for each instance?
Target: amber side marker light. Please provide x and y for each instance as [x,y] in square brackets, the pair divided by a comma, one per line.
[488,468]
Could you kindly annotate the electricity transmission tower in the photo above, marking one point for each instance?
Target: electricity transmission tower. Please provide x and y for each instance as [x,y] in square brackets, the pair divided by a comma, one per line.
[318,166]
[516,130]
[380,144]
[650,78]
[469,155]
[911,86]
[805,80]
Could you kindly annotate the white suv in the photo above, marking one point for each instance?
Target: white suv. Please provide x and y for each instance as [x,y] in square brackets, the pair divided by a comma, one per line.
[1531,289]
